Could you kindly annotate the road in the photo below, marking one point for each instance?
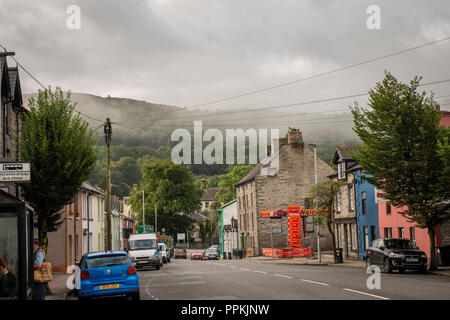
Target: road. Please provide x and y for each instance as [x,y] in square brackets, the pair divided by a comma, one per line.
[254,280]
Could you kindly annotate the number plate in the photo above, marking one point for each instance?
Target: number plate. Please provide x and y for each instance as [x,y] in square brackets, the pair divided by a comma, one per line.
[412,260]
[109,286]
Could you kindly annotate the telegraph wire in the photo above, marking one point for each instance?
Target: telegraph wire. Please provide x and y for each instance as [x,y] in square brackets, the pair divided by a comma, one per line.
[321,74]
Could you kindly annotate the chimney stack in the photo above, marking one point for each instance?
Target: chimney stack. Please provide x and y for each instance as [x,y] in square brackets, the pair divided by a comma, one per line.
[295,137]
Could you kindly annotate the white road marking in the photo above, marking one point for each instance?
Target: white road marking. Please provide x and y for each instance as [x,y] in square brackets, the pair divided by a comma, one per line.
[260,271]
[316,282]
[282,275]
[244,269]
[232,267]
[367,294]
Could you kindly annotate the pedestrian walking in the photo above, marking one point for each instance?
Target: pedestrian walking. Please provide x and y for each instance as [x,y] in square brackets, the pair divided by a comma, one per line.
[39,285]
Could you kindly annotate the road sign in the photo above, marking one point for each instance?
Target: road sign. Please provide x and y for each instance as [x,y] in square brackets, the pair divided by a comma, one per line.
[145,229]
[14,171]
[276,230]
[181,236]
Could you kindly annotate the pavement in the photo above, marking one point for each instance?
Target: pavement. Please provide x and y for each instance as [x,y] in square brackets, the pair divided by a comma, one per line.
[258,278]
[58,287]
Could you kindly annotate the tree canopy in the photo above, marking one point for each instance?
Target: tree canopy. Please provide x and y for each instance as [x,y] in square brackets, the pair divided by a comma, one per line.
[60,148]
[228,181]
[171,189]
[405,152]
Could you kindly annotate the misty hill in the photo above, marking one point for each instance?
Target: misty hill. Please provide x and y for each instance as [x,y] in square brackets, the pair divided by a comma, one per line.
[140,123]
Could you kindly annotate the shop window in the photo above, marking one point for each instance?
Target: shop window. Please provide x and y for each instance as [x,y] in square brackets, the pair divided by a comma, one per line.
[366,237]
[401,232]
[412,235]
[354,241]
[388,232]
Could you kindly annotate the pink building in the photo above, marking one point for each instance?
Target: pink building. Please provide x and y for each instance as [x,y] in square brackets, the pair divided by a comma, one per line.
[393,225]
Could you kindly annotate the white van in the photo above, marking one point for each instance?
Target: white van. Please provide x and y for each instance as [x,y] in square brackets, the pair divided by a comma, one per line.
[143,250]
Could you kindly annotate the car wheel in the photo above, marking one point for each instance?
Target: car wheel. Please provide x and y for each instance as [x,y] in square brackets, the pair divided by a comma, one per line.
[80,298]
[168,260]
[164,260]
[387,266]
[135,296]
[401,270]
[158,266]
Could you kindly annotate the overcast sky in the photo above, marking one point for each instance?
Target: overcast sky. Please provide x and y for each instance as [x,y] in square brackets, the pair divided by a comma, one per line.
[187,52]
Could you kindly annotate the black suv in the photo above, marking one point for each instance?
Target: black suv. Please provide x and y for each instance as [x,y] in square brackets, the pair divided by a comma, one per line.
[400,254]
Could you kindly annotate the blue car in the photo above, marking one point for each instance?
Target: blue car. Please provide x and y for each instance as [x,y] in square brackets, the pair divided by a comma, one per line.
[107,273]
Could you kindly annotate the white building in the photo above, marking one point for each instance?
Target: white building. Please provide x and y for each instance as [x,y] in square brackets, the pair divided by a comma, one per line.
[228,225]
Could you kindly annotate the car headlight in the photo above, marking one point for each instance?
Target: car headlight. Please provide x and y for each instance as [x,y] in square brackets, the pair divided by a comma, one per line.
[395,255]
[423,255]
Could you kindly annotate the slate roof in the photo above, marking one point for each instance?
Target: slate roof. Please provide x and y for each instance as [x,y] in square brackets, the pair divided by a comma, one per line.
[12,72]
[341,154]
[210,194]
[257,169]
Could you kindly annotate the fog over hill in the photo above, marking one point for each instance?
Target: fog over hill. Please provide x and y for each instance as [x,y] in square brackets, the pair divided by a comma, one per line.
[144,123]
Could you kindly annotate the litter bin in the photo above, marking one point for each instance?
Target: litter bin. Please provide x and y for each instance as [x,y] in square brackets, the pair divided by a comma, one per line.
[338,256]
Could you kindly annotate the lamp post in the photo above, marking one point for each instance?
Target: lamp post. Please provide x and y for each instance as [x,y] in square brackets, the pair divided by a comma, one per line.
[317,211]
[143,209]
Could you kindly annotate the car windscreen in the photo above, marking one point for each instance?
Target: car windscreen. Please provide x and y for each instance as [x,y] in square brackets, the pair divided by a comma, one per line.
[142,244]
[399,244]
[107,261]
[209,251]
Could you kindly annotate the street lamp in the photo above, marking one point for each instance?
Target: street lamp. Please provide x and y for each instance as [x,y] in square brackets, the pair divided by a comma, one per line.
[317,211]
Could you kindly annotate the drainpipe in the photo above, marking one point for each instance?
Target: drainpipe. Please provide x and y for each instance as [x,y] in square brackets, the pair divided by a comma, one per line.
[88,223]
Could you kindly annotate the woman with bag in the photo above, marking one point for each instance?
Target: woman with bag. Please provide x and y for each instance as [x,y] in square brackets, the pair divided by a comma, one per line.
[42,272]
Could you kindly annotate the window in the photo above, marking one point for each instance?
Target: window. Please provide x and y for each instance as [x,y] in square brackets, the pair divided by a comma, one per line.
[388,208]
[309,224]
[206,204]
[338,236]
[372,233]
[354,241]
[338,202]
[412,235]
[351,205]
[388,232]
[366,237]
[401,232]
[363,203]
[341,170]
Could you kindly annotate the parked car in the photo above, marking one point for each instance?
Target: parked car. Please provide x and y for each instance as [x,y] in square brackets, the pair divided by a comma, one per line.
[215,247]
[197,255]
[396,254]
[143,250]
[212,254]
[164,251]
[107,273]
[180,254]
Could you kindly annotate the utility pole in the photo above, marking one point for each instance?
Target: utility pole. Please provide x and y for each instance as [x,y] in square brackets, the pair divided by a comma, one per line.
[143,209]
[156,219]
[317,211]
[108,133]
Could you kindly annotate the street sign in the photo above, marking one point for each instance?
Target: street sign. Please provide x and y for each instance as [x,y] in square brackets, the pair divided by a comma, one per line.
[14,171]
[145,229]
[181,236]
[276,230]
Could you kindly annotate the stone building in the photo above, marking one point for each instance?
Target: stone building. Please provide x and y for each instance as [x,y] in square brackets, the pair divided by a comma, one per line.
[275,188]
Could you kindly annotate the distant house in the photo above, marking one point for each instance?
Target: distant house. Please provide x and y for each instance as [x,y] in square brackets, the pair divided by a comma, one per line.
[228,229]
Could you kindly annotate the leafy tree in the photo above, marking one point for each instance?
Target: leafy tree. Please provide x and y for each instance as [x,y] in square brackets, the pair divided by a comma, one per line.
[60,148]
[171,189]
[406,152]
[324,197]
[228,181]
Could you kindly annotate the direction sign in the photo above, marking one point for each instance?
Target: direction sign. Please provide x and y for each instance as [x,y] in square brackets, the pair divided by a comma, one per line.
[14,171]
[145,229]
[181,236]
